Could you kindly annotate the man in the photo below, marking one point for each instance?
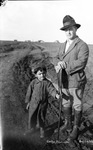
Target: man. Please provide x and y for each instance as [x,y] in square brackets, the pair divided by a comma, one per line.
[72,58]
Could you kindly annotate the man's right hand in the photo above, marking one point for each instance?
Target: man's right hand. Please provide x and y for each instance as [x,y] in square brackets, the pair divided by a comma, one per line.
[62,64]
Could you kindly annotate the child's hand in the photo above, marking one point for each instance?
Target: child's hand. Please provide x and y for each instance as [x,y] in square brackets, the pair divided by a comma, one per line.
[57,96]
[57,68]
[27,107]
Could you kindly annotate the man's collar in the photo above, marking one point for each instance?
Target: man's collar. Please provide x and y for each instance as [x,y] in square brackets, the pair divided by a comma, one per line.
[70,41]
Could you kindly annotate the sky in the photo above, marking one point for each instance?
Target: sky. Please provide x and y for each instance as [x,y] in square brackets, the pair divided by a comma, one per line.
[42,20]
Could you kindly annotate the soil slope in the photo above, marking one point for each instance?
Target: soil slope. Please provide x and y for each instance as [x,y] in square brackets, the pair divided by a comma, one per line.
[16,61]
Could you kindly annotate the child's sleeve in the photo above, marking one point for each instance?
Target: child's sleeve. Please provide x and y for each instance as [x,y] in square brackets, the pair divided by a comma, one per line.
[51,89]
[29,93]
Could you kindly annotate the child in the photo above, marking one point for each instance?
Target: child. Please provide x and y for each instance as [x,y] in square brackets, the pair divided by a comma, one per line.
[37,98]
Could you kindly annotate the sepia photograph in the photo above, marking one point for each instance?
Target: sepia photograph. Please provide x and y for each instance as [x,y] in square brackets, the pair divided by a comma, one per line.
[46,75]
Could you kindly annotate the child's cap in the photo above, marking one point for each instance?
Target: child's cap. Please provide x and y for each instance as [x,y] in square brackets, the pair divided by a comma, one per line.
[40,67]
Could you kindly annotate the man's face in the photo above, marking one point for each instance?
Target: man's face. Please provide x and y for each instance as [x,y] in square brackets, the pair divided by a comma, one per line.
[71,33]
[40,75]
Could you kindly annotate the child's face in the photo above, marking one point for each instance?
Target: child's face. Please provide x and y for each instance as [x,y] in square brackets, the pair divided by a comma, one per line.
[40,75]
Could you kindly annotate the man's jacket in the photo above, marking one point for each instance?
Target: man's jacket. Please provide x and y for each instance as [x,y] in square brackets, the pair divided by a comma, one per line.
[76,59]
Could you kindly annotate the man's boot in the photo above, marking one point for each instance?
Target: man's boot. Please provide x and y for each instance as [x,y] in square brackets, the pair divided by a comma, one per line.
[67,124]
[77,119]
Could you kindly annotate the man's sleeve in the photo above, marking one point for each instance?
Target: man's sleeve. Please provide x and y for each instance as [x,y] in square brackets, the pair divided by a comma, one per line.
[81,62]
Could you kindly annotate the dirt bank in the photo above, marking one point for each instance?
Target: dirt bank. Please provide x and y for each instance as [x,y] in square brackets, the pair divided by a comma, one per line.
[15,76]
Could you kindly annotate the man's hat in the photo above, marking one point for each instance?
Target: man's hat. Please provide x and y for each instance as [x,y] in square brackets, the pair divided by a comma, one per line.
[68,22]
